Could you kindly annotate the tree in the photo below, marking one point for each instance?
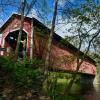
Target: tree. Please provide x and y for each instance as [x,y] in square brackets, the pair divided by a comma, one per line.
[21,28]
[5,6]
[50,40]
[85,28]
[83,20]
[23,6]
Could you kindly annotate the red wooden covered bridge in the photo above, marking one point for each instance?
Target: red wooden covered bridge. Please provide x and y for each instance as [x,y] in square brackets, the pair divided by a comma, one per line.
[59,52]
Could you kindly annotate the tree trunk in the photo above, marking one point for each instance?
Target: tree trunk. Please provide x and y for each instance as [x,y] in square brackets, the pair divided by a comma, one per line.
[21,29]
[50,40]
[32,32]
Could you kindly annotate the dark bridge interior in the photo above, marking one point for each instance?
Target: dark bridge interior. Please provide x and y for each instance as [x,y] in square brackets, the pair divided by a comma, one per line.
[12,37]
[11,42]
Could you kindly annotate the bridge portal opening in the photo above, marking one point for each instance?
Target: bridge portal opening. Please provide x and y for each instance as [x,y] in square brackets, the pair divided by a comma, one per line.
[11,42]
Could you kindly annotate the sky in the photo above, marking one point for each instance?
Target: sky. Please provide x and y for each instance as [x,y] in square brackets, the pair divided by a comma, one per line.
[7,10]
[46,18]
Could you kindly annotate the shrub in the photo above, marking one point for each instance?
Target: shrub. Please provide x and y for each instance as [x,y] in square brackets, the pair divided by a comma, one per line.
[22,74]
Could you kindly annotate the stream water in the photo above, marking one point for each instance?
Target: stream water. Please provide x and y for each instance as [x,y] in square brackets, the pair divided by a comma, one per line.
[92,92]
[88,91]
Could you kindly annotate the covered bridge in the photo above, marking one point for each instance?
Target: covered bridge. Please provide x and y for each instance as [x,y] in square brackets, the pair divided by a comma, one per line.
[59,52]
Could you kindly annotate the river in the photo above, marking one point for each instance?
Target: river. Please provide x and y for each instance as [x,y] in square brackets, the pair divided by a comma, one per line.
[92,92]
[88,91]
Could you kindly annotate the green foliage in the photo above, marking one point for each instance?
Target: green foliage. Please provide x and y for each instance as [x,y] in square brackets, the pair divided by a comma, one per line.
[57,83]
[26,77]
[22,74]
[70,97]
[31,77]
[7,63]
[84,20]
[86,12]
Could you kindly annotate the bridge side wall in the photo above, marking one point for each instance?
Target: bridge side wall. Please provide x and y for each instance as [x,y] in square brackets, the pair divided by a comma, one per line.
[61,54]
[58,53]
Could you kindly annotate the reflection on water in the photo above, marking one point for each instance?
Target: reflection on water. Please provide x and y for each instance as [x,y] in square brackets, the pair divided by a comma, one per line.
[91,91]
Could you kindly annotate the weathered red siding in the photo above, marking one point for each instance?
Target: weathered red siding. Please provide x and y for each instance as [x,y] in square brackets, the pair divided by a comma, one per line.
[56,53]
[15,25]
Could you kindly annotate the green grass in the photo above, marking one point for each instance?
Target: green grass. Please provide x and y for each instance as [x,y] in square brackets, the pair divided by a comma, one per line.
[70,97]
[58,87]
